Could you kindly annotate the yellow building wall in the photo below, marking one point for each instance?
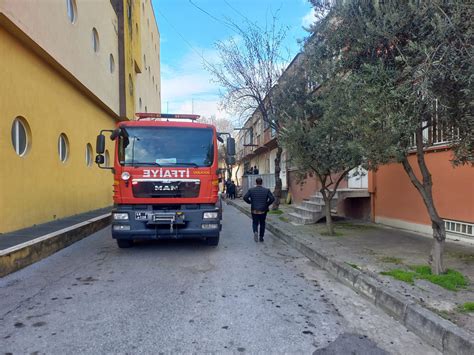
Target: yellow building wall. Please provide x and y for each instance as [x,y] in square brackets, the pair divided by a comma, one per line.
[133,58]
[38,187]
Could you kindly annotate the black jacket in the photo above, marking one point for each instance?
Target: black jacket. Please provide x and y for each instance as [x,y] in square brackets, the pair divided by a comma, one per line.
[260,198]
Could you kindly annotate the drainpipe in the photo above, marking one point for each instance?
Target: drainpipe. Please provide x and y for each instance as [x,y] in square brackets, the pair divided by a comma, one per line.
[372,191]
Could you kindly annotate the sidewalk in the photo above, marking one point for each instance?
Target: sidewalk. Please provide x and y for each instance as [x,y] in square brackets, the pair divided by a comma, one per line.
[26,246]
[369,249]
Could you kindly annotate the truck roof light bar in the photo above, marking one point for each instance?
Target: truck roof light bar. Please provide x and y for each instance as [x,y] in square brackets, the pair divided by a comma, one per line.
[151,115]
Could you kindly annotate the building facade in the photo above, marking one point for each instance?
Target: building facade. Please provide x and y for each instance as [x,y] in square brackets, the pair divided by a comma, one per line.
[64,73]
[256,146]
[386,196]
[397,203]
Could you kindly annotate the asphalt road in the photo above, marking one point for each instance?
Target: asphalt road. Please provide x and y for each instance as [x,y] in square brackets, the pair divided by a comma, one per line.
[187,297]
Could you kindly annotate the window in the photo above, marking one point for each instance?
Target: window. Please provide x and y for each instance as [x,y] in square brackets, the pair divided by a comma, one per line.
[129,16]
[88,154]
[144,61]
[20,139]
[95,40]
[146,109]
[458,227]
[140,103]
[158,146]
[130,84]
[106,158]
[71,10]
[435,131]
[249,136]
[153,79]
[63,147]
[112,63]
[136,28]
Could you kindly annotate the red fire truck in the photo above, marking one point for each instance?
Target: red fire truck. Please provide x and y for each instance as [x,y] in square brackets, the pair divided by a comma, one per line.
[166,178]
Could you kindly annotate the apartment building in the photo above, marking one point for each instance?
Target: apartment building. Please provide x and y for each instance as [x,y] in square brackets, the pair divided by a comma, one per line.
[385,196]
[256,146]
[69,68]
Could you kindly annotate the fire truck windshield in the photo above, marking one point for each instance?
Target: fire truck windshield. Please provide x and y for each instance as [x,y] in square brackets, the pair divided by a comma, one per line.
[167,146]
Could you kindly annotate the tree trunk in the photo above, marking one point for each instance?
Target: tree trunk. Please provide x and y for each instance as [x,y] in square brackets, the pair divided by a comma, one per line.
[329,223]
[426,192]
[237,175]
[278,183]
[436,257]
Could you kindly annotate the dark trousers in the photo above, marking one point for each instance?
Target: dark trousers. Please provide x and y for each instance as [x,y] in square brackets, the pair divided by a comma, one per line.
[259,219]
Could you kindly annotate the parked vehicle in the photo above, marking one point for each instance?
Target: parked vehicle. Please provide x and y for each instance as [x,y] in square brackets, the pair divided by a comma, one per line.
[166,182]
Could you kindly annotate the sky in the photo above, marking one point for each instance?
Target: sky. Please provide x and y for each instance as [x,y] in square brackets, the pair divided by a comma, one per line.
[189,30]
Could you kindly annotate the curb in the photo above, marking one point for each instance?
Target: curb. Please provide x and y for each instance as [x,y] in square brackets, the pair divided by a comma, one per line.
[440,333]
[22,255]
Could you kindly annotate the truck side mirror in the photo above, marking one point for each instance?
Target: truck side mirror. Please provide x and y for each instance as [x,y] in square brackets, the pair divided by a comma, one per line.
[116,133]
[100,159]
[230,146]
[100,144]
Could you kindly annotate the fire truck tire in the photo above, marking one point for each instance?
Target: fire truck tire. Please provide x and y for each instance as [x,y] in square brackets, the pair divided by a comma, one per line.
[124,243]
[213,241]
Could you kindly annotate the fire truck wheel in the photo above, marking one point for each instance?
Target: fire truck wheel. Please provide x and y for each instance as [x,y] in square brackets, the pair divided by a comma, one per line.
[213,241]
[124,243]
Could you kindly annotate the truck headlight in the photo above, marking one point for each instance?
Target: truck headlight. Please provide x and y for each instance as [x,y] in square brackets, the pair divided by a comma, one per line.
[210,226]
[125,176]
[211,215]
[120,216]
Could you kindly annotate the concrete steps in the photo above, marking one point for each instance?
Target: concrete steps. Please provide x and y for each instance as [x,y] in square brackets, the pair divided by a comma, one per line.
[312,210]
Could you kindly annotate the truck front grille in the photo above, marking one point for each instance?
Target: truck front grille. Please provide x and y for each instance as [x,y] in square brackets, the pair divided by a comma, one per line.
[160,188]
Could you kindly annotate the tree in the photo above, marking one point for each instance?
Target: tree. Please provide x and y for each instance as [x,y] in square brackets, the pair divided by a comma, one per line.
[411,68]
[249,67]
[319,130]
[223,125]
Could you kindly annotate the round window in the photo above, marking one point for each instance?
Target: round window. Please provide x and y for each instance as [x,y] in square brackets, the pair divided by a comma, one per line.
[63,147]
[89,154]
[71,10]
[95,40]
[106,158]
[112,63]
[20,139]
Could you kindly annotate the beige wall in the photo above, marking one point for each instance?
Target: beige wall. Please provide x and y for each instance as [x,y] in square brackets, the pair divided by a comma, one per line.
[148,82]
[47,23]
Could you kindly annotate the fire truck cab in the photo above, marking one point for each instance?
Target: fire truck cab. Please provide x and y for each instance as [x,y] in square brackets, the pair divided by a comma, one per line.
[166,178]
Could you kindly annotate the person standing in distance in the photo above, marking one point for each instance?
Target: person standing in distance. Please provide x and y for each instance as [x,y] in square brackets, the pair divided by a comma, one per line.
[259,198]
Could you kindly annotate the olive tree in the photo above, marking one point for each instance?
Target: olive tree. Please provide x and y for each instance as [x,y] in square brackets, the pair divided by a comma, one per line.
[319,128]
[410,64]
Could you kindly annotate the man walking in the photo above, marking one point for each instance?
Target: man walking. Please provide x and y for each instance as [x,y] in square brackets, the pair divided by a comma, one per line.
[259,198]
[232,189]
